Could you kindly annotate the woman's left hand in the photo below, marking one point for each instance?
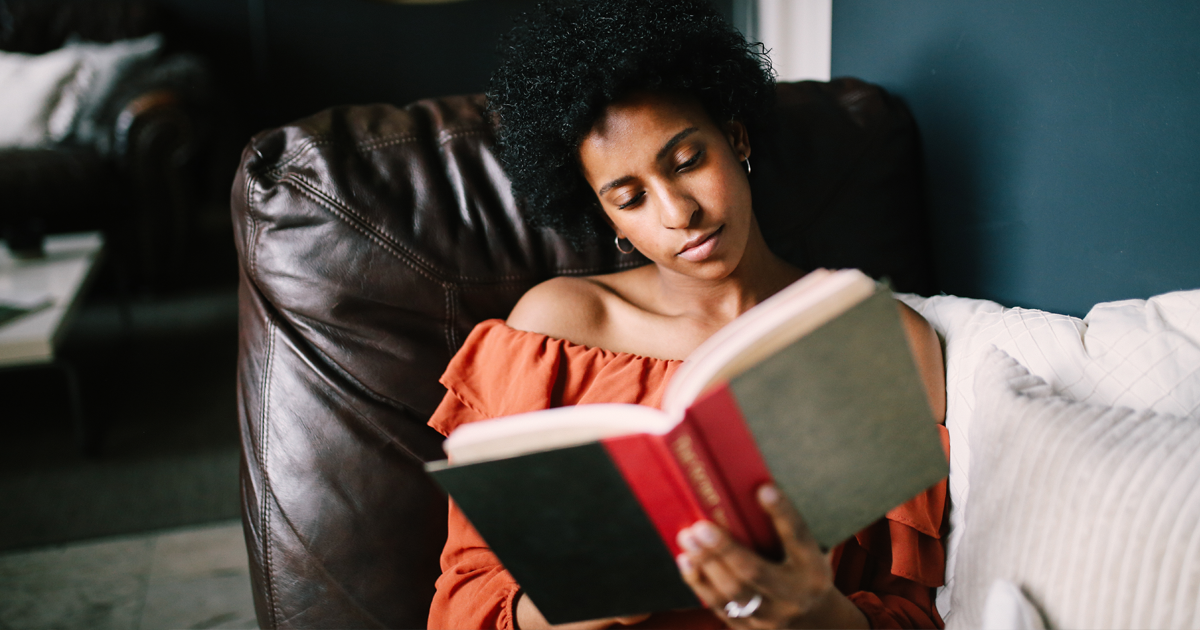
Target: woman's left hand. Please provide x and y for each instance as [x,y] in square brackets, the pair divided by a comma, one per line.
[748,591]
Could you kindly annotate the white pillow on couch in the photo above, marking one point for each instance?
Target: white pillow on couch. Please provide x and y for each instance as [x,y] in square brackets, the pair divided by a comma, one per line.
[1092,511]
[1142,354]
[30,90]
[45,99]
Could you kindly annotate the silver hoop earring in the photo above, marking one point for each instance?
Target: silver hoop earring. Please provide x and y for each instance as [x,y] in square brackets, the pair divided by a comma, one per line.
[630,251]
[747,162]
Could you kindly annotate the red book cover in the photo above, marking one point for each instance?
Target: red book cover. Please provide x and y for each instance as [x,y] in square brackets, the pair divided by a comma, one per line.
[718,422]
[656,481]
[706,467]
[695,460]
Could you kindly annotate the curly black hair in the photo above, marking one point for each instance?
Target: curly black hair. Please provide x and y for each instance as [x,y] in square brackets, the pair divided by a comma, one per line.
[567,60]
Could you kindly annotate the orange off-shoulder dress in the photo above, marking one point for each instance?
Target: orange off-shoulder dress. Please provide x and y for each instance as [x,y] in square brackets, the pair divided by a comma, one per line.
[889,570]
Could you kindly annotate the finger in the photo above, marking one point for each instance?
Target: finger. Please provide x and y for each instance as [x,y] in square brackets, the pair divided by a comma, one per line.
[712,599]
[791,526]
[700,586]
[745,564]
[731,569]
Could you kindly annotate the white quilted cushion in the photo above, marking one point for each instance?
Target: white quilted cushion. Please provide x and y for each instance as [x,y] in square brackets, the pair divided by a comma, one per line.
[1142,354]
[46,98]
[31,88]
[101,69]
[1092,511]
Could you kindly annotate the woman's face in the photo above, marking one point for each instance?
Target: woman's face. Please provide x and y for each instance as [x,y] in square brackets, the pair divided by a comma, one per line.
[671,181]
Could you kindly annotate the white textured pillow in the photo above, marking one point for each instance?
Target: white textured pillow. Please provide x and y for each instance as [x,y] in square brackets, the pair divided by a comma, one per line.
[1007,608]
[47,98]
[102,67]
[1093,511]
[1142,354]
[30,89]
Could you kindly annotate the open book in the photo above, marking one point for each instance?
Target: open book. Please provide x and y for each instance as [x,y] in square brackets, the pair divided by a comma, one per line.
[814,389]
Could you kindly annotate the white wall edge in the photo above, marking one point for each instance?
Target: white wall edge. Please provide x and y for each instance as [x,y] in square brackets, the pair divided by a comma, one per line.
[799,34]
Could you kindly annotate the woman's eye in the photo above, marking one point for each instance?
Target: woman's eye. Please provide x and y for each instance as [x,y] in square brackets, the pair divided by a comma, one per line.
[636,198]
[690,162]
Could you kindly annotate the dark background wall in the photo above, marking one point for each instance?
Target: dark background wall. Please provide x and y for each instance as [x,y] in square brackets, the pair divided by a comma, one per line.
[1062,139]
[284,59]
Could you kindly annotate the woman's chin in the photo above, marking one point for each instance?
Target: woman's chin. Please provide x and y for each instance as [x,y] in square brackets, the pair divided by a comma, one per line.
[712,268]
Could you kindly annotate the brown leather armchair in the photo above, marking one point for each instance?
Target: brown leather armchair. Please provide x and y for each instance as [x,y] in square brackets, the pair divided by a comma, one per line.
[372,239]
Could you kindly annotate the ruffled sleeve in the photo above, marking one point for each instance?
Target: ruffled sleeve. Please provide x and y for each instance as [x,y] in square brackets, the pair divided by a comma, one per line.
[501,371]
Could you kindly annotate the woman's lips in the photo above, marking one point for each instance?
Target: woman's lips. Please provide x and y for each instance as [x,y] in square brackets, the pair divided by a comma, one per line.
[703,248]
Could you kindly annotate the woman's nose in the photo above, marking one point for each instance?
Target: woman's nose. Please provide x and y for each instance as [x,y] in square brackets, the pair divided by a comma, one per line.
[679,211]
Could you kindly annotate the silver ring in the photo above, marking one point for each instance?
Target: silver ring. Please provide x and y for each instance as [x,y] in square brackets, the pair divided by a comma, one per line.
[740,611]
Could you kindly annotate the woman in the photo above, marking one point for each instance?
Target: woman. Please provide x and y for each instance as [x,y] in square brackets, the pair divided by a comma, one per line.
[637,118]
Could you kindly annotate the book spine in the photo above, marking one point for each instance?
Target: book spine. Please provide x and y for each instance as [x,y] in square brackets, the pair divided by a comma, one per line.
[655,479]
[717,423]
[704,477]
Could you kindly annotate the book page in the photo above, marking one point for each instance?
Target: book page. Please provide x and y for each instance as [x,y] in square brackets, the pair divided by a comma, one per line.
[551,429]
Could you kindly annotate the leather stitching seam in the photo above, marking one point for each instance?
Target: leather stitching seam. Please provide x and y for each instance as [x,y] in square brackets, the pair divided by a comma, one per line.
[406,254]
[365,145]
[320,141]
[375,143]
[391,240]
[389,243]
[361,226]
[251,250]
[446,136]
[264,435]
[403,252]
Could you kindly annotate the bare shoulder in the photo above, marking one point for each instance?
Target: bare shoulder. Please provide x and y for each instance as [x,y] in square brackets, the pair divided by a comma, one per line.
[927,353]
[564,308]
[919,330]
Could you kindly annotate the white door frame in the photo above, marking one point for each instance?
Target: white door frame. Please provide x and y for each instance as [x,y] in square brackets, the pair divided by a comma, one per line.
[799,34]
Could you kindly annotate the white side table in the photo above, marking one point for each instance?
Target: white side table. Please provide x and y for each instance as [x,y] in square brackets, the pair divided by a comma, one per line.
[59,278]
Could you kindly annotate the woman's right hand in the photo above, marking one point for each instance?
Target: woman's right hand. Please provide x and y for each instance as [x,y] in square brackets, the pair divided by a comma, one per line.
[528,617]
[797,592]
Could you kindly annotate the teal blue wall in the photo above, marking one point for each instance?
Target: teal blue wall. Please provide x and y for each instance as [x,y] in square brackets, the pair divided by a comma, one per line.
[1062,139]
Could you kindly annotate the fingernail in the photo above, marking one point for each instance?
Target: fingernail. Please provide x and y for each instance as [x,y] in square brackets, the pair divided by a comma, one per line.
[687,540]
[768,495]
[684,562]
[707,533]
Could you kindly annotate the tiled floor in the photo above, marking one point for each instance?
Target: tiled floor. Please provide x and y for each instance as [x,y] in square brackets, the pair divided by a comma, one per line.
[196,577]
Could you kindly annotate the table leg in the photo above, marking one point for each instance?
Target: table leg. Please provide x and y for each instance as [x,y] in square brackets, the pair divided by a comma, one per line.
[86,436]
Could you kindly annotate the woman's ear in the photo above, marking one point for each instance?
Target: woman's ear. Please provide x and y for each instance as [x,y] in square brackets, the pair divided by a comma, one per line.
[739,139]
[608,220]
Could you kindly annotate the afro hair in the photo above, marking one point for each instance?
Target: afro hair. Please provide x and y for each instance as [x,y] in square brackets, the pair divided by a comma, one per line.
[566,61]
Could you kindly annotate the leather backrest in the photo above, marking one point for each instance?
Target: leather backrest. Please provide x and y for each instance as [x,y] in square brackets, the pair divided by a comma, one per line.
[372,239]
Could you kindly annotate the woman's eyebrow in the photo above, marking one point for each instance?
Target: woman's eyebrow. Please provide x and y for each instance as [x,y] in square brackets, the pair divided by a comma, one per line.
[675,140]
[613,184]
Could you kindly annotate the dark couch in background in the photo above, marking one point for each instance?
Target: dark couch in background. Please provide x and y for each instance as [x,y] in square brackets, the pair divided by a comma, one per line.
[137,180]
[372,239]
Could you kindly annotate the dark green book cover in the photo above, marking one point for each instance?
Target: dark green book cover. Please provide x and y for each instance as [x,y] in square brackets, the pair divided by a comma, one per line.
[571,532]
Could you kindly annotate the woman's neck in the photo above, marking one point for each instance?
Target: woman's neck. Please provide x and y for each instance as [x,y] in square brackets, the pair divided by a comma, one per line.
[758,276]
